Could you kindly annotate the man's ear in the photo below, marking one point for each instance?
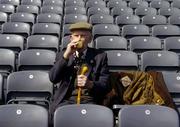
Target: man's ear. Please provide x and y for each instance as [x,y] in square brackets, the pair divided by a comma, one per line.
[70,37]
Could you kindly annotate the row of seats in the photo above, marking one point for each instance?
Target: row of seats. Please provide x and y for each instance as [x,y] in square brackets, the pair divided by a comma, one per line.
[137,44]
[35,86]
[39,59]
[90,3]
[88,116]
[129,18]
[127,31]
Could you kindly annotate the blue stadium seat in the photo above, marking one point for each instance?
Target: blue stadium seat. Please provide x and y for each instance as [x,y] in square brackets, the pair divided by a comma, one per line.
[121,11]
[98,10]
[49,18]
[159,4]
[136,4]
[142,11]
[12,41]
[83,115]
[52,3]
[20,115]
[101,19]
[127,20]
[31,2]
[159,61]
[119,60]
[129,31]
[163,31]
[148,116]
[73,18]
[74,10]
[151,20]
[79,3]
[46,29]
[143,43]
[36,59]
[172,81]
[7,8]
[29,86]
[19,28]
[23,17]
[105,30]
[28,9]
[12,2]
[52,9]
[111,43]
[43,42]
[172,44]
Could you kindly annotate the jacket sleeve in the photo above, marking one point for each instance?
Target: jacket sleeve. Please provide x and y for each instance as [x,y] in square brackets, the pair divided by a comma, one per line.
[57,71]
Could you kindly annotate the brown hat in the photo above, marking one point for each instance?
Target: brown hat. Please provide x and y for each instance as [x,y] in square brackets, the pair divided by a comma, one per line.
[80,26]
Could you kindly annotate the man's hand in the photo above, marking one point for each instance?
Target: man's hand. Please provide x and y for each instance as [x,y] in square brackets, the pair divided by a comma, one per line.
[71,48]
[84,82]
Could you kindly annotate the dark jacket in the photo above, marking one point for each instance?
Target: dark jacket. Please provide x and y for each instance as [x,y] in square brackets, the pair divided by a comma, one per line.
[63,71]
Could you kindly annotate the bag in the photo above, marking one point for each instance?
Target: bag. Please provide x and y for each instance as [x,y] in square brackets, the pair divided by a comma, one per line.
[138,88]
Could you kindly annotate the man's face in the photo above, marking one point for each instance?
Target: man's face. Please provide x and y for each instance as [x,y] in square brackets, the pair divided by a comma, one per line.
[81,35]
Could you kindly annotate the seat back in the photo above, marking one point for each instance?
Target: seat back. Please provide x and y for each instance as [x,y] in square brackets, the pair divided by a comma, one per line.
[148,116]
[84,115]
[23,115]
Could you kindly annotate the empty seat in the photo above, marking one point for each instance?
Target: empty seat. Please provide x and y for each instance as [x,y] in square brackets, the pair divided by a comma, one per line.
[111,43]
[116,3]
[142,11]
[169,11]
[52,9]
[22,17]
[138,3]
[127,20]
[16,28]
[7,8]
[83,115]
[53,2]
[73,18]
[151,20]
[12,41]
[7,61]
[174,19]
[101,19]
[31,2]
[12,2]
[175,3]
[172,81]
[1,88]
[74,10]
[23,115]
[135,30]
[65,30]
[97,10]
[29,86]
[122,60]
[159,4]
[143,43]
[46,28]
[121,11]
[105,29]
[64,42]
[28,9]
[49,18]
[172,44]
[148,116]
[3,17]
[93,3]
[36,59]
[159,61]
[79,3]
[43,42]
[163,31]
